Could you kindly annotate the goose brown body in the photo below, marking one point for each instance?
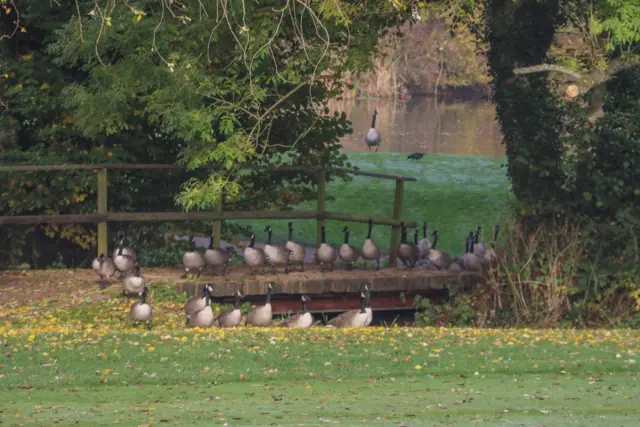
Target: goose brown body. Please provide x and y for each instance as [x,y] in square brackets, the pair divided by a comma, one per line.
[325,253]
[276,254]
[216,257]
[352,318]
[440,260]
[348,253]
[192,260]
[371,251]
[298,252]
[254,257]
[261,315]
[232,317]
[300,320]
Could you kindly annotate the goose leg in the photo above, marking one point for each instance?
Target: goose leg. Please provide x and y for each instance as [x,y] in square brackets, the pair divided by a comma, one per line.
[378,264]
[302,266]
[377,147]
[224,269]
[148,325]
[187,323]
[186,272]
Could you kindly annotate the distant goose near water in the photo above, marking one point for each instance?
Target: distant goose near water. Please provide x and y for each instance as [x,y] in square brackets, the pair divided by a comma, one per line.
[415,156]
[372,138]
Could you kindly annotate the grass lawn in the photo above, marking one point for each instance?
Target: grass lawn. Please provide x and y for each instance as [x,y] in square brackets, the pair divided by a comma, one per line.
[78,362]
[453,193]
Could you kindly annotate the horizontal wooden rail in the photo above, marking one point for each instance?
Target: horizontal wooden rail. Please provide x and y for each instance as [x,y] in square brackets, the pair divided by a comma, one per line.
[193,216]
[284,168]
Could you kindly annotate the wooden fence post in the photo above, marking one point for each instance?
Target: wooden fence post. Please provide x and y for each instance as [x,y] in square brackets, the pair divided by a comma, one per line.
[217,224]
[395,230]
[322,175]
[103,246]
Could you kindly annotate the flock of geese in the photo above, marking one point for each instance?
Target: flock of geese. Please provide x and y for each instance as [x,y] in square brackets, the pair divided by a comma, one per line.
[198,312]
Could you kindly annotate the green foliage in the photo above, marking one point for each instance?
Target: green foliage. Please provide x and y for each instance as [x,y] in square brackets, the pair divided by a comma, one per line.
[166,292]
[457,309]
[169,82]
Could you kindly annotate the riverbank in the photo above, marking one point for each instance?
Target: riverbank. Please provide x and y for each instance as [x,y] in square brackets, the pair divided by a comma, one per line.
[453,193]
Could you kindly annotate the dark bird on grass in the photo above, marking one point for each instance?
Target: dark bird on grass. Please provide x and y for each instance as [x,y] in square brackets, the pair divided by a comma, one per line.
[415,156]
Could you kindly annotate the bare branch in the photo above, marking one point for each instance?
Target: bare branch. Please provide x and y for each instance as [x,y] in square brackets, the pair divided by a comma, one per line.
[547,67]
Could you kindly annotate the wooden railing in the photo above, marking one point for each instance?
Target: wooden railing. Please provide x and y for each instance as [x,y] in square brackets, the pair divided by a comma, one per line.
[102,216]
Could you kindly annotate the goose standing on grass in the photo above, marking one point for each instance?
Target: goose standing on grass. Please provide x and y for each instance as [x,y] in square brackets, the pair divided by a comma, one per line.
[133,283]
[198,302]
[478,248]
[233,316]
[141,311]
[325,254]
[123,262]
[203,318]
[254,257]
[261,315]
[405,250]
[298,252]
[372,138]
[192,260]
[125,250]
[276,254]
[352,318]
[348,253]
[440,260]
[216,257]
[370,251]
[424,244]
[491,254]
[300,320]
[104,266]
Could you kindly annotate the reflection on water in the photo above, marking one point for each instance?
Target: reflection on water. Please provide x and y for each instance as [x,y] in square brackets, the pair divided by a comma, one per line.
[420,126]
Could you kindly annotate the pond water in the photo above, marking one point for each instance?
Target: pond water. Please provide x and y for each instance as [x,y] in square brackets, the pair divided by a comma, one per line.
[419,125]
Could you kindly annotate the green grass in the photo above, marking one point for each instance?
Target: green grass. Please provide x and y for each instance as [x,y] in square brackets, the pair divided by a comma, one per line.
[319,376]
[453,193]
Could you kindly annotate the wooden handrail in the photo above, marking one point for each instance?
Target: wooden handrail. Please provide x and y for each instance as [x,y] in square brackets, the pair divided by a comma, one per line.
[284,168]
[193,216]
[217,216]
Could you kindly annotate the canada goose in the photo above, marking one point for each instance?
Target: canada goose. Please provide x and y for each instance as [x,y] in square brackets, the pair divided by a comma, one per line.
[352,318]
[216,257]
[141,310]
[326,254]
[254,257]
[478,248]
[348,253]
[192,260]
[372,138]
[133,283]
[491,253]
[123,262]
[125,250]
[300,320]
[261,315]
[276,254]
[233,316]
[298,252]
[203,318]
[370,251]
[473,262]
[105,267]
[440,260]
[415,156]
[367,306]
[198,302]
[424,244]
[405,250]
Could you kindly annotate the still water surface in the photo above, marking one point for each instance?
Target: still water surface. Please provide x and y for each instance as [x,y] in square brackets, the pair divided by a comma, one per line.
[420,125]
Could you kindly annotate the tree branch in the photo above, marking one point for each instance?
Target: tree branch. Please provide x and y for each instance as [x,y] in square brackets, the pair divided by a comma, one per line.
[547,67]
